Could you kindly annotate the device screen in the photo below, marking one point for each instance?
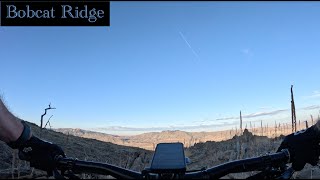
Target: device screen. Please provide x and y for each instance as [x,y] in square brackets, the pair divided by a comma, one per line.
[169,156]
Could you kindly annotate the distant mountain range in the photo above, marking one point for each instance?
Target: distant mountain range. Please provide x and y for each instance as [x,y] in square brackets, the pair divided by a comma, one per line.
[149,140]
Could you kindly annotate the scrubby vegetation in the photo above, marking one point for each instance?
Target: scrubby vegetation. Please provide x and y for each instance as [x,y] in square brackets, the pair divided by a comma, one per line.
[77,147]
[202,154]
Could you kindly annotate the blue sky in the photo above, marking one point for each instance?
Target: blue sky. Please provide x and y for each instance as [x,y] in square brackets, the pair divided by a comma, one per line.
[167,65]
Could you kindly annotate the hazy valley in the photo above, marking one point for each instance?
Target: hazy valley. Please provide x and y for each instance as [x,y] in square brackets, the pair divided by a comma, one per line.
[149,140]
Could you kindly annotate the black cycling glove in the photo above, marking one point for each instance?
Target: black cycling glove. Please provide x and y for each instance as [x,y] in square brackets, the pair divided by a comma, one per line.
[41,154]
[303,147]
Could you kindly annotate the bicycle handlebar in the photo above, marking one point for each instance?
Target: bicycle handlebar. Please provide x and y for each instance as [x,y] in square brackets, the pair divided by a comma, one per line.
[245,165]
[79,166]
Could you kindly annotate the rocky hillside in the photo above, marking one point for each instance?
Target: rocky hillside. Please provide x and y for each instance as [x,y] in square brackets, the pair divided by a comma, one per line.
[202,154]
[150,140]
[93,135]
[77,147]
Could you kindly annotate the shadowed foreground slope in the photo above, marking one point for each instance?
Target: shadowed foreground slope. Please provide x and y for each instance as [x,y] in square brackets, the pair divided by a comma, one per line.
[77,147]
[206,154]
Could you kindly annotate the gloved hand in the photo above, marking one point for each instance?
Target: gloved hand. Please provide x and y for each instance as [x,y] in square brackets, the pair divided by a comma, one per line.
[41,154]
[303,147]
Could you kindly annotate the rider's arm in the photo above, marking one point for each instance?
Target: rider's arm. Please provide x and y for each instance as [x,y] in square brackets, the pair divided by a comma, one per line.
[17,134]
[10,127]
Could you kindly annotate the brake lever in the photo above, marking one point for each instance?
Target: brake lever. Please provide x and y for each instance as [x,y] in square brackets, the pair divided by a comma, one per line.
[287,174]
[57,175]
[71,175]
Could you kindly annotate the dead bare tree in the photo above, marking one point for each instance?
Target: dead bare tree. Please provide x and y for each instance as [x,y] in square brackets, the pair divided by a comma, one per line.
[275,128]
[311,119]
[240,124]
[68,138]
[293,113]
[239,139]
[45,112]
[48,122]
[254,128]
[13,162]
[261,129]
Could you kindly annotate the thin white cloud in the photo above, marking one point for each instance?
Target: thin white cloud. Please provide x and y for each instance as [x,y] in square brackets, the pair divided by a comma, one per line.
[271,113]
[203,124]
[315,94]
[155,129]
[257,114]
[202,121]
[265,107]
[190,47]
[247,52]
[311,107]
[227,118]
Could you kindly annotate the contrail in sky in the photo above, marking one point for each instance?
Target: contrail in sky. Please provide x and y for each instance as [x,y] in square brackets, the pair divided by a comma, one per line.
[185,40]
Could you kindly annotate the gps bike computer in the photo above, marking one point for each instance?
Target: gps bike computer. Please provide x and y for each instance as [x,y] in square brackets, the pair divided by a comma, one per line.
[168,158]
